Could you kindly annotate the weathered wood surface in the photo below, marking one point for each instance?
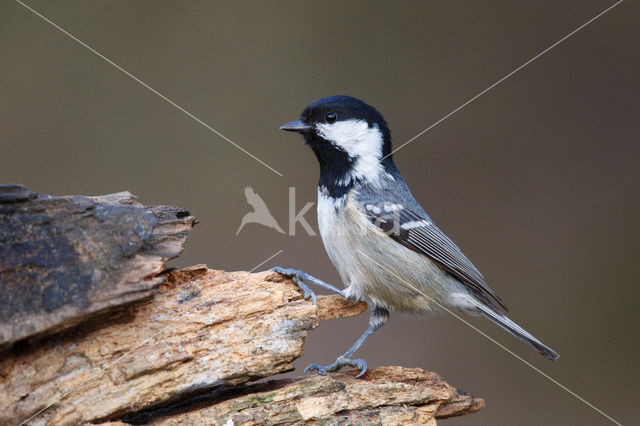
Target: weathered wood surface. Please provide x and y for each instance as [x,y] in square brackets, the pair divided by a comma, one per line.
[385,395]
[66,259]
[203,329]
[93,329]
[185,356]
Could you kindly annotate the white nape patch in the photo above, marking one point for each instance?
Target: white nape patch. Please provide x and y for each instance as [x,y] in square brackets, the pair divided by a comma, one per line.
[361,142]
[414,224]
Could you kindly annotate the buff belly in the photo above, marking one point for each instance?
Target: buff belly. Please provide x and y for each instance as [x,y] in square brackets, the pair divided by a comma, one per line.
[373,265]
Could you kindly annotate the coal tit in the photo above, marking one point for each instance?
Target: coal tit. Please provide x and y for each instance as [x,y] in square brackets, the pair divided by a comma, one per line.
[385,247]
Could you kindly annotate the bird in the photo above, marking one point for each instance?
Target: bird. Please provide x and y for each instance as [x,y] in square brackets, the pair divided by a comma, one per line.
[386,248]
[260,213]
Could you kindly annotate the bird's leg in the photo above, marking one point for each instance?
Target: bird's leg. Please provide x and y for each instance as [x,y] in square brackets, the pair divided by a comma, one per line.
[299,277]
[377,319]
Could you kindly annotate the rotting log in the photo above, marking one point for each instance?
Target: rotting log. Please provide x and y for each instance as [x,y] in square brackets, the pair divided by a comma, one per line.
[386,395]
[202,330]
[203,334]
[95,329]
[66,259]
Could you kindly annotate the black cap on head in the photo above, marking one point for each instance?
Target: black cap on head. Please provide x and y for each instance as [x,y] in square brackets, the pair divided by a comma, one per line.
[350,139]
[339,108]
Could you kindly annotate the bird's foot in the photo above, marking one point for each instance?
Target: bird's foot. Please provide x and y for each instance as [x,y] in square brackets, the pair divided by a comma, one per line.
[297,277]
[342,361]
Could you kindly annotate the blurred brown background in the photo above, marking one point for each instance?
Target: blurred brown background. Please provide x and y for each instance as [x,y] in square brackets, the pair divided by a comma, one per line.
[538,180]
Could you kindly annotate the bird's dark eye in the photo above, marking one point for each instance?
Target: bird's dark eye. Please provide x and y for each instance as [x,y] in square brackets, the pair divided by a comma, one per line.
[331,117]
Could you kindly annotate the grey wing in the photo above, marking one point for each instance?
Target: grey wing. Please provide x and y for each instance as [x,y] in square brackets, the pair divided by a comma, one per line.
[416,231]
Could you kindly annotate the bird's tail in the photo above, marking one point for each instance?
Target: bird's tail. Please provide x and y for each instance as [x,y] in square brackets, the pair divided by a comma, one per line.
[516,330]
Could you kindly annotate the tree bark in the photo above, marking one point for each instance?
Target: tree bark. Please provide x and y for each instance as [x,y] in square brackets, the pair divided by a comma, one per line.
[66,259]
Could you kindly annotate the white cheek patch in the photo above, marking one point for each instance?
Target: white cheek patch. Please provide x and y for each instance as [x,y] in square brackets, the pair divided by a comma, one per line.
[361,142]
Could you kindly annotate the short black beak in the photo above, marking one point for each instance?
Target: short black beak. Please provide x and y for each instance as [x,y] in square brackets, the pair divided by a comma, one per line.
[296,126]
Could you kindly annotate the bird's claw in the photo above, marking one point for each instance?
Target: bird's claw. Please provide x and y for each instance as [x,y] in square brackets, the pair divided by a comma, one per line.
[284,271]
[321,369]
[295,276]
[342,361]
